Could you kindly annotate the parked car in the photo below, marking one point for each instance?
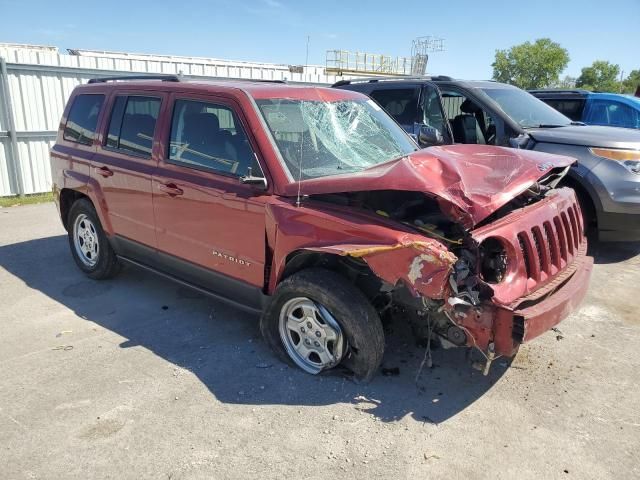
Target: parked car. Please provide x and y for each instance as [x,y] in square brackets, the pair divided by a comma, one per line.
[593,108]
[440,110]
[312,207]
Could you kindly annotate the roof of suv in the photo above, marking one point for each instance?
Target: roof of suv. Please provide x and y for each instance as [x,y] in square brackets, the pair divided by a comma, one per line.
[422,79]
[560,91]
[580,93]
[255,88]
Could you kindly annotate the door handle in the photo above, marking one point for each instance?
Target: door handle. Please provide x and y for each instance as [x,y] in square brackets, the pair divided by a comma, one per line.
[104,171]
[170,189]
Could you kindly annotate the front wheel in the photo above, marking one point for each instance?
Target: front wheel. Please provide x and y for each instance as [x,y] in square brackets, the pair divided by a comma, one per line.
[317,320]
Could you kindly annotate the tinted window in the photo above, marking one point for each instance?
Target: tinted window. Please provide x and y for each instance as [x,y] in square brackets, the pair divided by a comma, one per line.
[83,118]
[401,103]
[571,108]
[133,121]
[602,112]
[207,135]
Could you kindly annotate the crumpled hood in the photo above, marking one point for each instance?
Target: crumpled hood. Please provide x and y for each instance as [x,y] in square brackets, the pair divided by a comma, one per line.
[589,136]
[469,181]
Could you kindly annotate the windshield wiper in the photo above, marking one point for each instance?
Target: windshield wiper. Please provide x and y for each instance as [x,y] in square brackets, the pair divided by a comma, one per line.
[549,125]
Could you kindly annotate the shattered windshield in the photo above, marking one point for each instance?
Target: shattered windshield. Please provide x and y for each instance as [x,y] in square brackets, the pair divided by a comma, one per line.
[526,109]
[322,138]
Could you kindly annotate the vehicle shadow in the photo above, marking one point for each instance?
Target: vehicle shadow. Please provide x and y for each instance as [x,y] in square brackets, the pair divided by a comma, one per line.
[222,347]
[612,252]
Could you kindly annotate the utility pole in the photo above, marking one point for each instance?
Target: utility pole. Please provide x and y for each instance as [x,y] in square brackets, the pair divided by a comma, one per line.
[306,59]
[621,77]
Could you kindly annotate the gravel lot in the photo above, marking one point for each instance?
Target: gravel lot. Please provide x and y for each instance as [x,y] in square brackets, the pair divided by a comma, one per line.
[140,378]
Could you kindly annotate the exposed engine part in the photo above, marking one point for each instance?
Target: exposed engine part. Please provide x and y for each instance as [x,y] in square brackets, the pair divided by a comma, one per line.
[456,336]
[413,209]
[491,355]
[426,360]
[464,280]
[553,179]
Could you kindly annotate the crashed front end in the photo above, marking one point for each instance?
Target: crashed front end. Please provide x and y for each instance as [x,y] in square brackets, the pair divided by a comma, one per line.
[487,250]
[497,287]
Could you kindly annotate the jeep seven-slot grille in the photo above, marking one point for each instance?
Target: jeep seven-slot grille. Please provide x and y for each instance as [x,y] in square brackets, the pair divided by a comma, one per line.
[548,248]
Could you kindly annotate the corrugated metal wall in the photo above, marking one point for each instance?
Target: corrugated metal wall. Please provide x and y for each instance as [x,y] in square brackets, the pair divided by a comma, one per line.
[38,81]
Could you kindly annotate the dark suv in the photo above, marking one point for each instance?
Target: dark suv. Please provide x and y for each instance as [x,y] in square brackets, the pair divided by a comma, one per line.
[312,207]
[440,110]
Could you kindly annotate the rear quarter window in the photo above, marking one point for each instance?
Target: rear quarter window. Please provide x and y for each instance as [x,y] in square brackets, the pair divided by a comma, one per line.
[83,118]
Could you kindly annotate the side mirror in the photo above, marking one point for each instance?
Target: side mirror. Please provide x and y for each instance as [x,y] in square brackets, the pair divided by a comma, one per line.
[249,179]
[429,136]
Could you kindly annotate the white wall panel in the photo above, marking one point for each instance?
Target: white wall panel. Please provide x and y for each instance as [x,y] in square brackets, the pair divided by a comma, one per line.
[41,80]
[5,175]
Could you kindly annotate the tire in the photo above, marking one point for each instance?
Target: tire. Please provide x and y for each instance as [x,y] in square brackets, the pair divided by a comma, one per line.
[587,208]
[362,339]
[92,252]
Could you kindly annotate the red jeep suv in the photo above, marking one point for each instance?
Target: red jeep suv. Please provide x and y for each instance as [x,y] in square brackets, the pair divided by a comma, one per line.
[314,208]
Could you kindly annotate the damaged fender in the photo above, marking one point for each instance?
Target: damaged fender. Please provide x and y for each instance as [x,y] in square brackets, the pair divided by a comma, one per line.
[423,266]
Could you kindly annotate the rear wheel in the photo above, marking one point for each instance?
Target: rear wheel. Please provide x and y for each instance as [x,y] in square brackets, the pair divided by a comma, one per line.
[317,320]
[89,244]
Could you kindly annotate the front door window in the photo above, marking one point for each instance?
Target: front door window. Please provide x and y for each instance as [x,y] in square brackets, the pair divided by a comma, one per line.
[470,123]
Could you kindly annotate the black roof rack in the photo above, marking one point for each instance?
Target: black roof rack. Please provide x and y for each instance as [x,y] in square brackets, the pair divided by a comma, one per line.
[163,78]
[177,78]
[443,78]
[559,90]
[258,80]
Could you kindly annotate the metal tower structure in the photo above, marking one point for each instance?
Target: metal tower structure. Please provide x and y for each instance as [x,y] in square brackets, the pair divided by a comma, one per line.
[420,49]
[345,62]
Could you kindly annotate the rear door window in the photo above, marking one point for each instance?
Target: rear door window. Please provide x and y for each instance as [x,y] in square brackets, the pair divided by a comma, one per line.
[83,118]
[400,103]
[605,112]
[209,136]
[133,121]
[571,108]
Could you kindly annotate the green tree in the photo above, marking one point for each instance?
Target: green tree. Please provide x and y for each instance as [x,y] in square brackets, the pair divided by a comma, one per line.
[567,82]
[601,76]
[632,82]
[531,65]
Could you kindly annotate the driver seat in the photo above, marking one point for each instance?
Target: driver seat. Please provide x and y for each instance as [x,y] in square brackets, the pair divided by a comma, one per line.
[467,126]
[465,129]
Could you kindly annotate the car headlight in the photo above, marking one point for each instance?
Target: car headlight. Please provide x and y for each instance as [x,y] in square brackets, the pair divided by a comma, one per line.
[493,260]
[630,159]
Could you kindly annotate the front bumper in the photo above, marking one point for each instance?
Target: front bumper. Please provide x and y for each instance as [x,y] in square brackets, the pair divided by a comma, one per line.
[618,206]
[547,280]
[542,311]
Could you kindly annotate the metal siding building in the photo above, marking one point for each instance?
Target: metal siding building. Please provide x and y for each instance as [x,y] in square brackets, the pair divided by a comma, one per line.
[35,83]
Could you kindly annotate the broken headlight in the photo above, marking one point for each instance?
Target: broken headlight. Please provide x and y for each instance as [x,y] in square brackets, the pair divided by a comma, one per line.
[493,260]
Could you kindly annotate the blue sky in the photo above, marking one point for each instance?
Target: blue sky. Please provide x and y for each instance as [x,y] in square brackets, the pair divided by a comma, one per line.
[276,30]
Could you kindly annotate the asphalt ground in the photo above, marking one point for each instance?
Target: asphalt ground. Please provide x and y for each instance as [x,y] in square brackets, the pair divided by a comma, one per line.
[137,377]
